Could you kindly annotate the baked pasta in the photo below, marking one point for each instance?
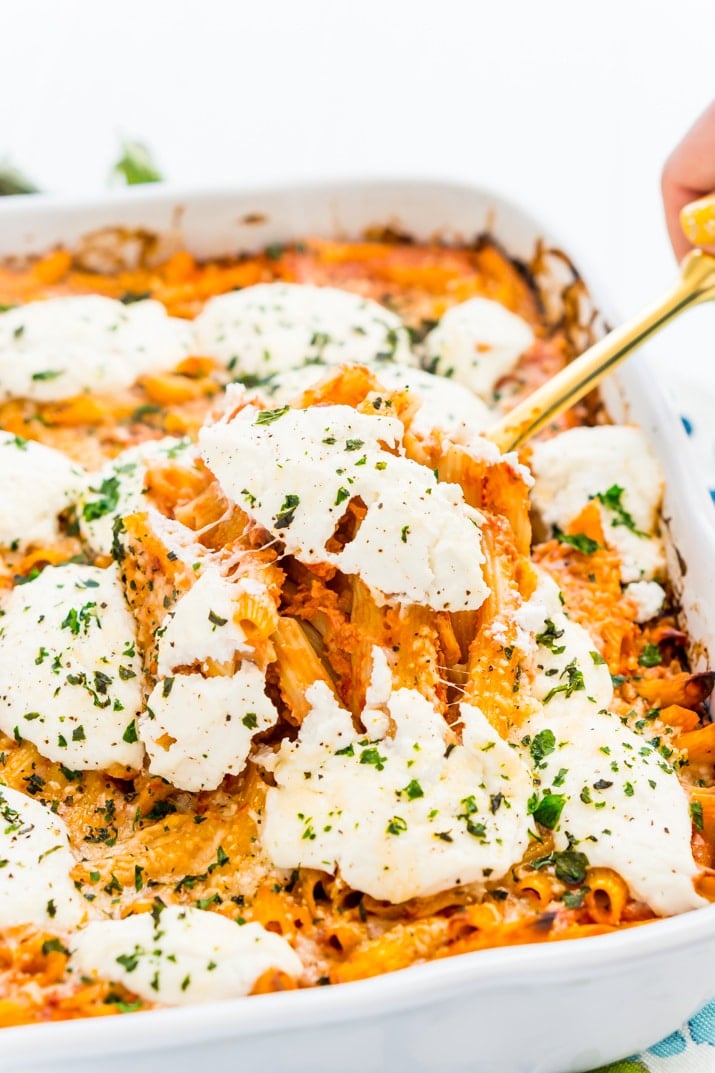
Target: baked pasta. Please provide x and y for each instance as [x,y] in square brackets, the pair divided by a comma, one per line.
[290,693]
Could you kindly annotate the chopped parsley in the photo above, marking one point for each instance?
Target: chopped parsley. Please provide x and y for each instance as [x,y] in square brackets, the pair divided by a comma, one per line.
[130,734]
[286,514]
[650,656]
[549,636]
[612,499]
[548,811]
[372,756]
[267,417]
[574,682]
[107,502]
[542,745]
[585,544]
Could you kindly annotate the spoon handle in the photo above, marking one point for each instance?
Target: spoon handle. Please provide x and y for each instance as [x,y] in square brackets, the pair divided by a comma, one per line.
[695,284]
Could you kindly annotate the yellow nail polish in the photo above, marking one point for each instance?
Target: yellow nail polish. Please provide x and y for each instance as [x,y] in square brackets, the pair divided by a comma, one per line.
[698,221]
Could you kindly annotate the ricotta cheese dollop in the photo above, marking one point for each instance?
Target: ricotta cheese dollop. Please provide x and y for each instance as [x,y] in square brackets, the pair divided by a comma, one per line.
[181,955]
[296,472]
[35,884]
[37,483]
[401,816]
[274,326]
[69,669]
[477,343]
[196,730]
[203,625]
[613,464]
[61,347]
[619,799]
[119,488]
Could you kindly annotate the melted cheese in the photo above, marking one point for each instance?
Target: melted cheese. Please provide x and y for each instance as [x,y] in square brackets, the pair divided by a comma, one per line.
[37,483]
[564,660]
[402,816]
[477,343]
[624,808]
[69,671]
[196,730]
[35,864]
[623,804]
[61,347]
[181,955]
[443,403]
[295,471]
[649,598]
[119,488]
[274,326]
[202,624]
[582,463]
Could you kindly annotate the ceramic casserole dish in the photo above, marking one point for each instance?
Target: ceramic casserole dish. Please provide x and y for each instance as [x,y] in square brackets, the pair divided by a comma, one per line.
[546,1008]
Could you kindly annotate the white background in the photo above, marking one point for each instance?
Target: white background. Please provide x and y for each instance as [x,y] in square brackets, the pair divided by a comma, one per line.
[570,106]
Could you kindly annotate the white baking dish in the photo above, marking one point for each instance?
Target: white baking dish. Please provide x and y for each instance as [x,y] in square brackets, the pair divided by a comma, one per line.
[551,1008]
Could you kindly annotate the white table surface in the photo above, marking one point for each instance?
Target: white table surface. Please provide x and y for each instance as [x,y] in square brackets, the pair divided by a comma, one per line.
[569,106]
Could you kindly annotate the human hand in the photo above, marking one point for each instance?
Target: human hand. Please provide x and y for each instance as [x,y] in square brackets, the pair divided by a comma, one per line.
[689,173]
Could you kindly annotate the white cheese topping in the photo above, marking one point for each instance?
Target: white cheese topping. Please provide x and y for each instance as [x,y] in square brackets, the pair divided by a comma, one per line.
[444,403]
[69,671]
[181,955]
[273,326]
[35,859]
[649,598]
[614,464]
[119,488]
[36,484]
[295,472]
[477,342]
[564,658]
[624,806]
[196,730]
[621,801]
[61,347]
[403,816]
[202,624]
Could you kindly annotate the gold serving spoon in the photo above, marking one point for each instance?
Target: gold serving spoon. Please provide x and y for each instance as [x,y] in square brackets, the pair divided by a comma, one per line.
[696,284]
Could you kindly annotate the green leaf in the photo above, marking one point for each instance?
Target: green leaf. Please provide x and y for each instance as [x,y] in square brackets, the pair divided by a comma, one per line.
[13,181]
[549,809]
[570,866]
[543,744]
[650,656]
[136,165]
[611,499]
[579,541]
